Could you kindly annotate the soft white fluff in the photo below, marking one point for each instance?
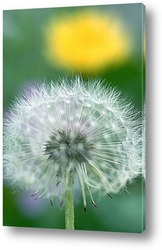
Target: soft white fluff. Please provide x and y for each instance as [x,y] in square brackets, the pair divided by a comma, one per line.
[108,124]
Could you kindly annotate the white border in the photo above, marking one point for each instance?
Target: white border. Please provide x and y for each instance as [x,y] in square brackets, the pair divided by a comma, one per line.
[21,238]
[18,4]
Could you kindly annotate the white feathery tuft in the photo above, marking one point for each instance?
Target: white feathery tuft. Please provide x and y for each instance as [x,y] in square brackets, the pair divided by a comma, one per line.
[71,128]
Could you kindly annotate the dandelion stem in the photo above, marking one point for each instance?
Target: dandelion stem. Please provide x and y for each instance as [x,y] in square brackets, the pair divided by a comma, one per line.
[69,206]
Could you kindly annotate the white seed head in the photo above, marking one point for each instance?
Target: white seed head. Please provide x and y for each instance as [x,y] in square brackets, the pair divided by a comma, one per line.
[76,129]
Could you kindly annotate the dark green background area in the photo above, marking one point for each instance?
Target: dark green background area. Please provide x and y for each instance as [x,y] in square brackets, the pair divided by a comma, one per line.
[24,63]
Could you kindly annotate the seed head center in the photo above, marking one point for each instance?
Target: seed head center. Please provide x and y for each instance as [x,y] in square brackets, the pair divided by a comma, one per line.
[66,146]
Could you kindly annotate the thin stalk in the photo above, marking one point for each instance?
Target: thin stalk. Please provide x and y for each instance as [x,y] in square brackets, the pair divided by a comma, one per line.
[69,206]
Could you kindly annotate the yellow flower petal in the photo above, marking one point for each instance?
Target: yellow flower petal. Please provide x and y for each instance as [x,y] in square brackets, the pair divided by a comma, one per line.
[86,42]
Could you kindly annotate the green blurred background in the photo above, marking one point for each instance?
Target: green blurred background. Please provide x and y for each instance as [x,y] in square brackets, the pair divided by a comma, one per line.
[24,63]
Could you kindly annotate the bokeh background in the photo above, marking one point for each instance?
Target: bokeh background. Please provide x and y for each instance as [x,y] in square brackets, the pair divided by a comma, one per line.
[31,54]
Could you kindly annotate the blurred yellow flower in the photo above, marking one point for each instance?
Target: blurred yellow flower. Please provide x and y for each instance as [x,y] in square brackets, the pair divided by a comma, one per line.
[86,42]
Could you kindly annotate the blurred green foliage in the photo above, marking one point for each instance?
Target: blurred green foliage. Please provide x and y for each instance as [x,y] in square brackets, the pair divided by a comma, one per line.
[24,63]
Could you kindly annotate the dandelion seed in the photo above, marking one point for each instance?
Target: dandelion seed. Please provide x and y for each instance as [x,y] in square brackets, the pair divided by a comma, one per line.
[52,147]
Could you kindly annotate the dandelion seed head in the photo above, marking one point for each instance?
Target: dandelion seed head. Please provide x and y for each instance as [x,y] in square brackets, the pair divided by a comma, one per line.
[71,128]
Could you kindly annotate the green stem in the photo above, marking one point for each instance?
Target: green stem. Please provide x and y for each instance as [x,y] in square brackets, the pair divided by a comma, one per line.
[69,206]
